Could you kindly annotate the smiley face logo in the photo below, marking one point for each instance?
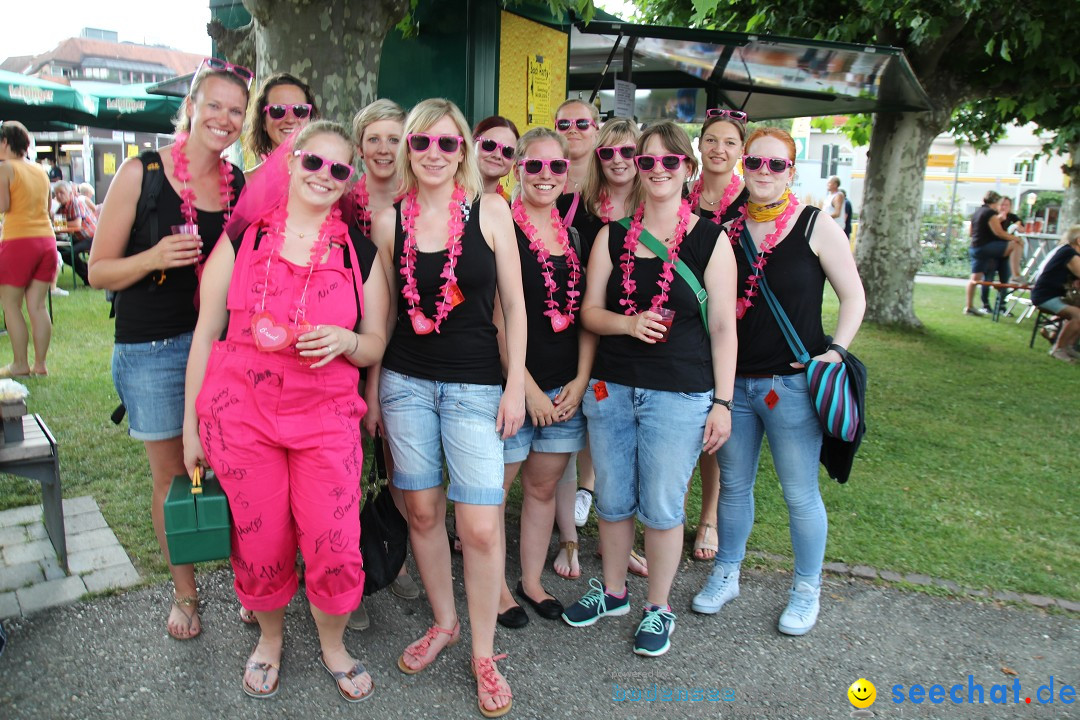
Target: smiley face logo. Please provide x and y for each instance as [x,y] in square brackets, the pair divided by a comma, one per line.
[862,693]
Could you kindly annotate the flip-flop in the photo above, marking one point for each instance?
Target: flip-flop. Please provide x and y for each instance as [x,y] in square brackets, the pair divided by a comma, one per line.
[186,602]
[357,669]
[640,560]
[571,549]
[248,616]
[702,544]
[265,669]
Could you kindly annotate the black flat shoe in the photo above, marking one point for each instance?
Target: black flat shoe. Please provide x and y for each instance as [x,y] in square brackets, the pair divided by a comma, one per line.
[549,608]
[513,618]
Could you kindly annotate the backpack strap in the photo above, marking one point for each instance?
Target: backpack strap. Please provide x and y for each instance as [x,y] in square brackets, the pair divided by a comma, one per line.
[153,179]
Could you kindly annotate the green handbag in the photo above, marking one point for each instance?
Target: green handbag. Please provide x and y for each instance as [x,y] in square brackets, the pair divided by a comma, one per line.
[198,525]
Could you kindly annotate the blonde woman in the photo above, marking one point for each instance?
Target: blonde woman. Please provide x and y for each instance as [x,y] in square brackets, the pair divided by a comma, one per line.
[451,248]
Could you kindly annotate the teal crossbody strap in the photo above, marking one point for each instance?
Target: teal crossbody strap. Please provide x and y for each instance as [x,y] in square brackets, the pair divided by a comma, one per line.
[660,250]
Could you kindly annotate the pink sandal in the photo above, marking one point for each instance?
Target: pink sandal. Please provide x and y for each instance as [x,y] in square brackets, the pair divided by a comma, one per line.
[491,686]
[419,650]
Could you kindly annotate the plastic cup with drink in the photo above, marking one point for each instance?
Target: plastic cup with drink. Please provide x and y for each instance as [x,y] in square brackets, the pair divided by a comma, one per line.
[667,317]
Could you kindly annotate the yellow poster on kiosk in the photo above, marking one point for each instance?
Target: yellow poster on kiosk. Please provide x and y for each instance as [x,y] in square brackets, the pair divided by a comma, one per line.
[532,71]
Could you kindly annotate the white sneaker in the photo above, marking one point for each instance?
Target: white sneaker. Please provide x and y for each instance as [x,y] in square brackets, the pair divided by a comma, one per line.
[718,591]
[582,505]
[801,613]
[59,292]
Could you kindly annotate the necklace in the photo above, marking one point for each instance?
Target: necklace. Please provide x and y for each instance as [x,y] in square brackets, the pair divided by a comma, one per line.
[182,171]
[696,195]
[449,294]
[269,333]
[362,199]
[607,208]
[784,209]
[559,320]
[630,244]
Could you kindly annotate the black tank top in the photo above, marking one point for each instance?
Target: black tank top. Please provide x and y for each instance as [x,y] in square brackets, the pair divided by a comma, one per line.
[551,357]
[981,234]
[798,281]
[587,224]
[732,211]
[147,311]
[466,348]
[684,362]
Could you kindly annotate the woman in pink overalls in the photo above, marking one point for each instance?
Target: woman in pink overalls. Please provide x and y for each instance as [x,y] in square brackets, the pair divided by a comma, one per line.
[273,408]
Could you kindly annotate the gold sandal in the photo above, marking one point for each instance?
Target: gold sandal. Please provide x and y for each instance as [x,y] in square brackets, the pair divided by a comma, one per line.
[192,615]
[571,549]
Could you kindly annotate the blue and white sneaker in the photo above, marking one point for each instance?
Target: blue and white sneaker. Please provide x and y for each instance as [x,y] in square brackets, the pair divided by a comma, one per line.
[653,636]
[594,605]
[719,590]
[801,613]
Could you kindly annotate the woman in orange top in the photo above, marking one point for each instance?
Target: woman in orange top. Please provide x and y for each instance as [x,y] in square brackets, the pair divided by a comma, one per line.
[27,253]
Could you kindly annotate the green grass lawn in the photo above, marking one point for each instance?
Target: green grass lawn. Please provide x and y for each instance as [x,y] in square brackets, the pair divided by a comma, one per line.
[964,473]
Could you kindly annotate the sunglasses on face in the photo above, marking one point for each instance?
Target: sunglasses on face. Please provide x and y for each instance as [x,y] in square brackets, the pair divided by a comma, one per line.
[301,111]
[490,146]
[535,167]
[313,163]
[607,153]
[648,162]
[219,65]
[582,124]
[736,115]
[448,144]
[753,163]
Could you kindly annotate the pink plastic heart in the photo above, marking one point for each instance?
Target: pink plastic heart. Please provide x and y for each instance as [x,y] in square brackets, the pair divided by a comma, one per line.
[559,322]
[421,324]
[269,334]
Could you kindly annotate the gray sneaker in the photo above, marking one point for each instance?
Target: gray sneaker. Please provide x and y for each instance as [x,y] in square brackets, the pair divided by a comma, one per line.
[718,591]
[405,587]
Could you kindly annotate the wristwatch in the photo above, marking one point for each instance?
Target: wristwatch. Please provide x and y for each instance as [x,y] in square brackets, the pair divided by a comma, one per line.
[729,404]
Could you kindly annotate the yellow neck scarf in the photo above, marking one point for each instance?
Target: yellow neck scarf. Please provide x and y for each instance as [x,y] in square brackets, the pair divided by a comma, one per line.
[769,212]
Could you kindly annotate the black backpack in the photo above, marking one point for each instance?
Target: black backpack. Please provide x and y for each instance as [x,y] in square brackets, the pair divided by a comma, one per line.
[153,179]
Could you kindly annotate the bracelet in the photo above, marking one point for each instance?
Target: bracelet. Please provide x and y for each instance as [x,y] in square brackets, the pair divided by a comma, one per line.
[356,344]
[729,404]
[840,350]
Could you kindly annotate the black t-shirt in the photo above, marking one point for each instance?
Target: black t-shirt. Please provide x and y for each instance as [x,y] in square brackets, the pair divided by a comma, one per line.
[797,279]
[981,234]
[466,348]
[684,362]
[148,311]
[551,357]
[1053,276]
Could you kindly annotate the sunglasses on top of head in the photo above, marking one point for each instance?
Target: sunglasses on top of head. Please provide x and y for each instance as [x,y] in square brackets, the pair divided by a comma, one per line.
[736,115]
[535,167]
[607,153]
[219,65]
[313,163]
[648,162]
[419,142]
[581,124]
[300,111]
[753,163]
[490,146]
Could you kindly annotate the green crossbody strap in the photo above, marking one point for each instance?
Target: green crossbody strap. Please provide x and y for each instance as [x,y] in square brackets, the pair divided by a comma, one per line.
[660,250]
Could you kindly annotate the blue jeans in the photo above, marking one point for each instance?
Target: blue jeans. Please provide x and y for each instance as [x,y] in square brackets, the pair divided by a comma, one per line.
[425,419]
[567,436]
[795,440]
[645,444]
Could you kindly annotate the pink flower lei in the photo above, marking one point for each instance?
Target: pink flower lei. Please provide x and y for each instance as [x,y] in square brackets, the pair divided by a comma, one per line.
[183,173]
[559,320]
[607,209]
[362,199]
[449,294]
[725,202]
[630,244]
[766,247]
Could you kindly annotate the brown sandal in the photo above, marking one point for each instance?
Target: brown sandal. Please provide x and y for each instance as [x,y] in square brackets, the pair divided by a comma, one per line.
[571,549]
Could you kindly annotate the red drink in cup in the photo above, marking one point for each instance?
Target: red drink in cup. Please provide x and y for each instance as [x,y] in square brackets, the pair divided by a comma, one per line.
[667,317]
[305,360]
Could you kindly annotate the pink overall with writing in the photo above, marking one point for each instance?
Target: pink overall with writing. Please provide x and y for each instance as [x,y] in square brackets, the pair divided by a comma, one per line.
[284,439]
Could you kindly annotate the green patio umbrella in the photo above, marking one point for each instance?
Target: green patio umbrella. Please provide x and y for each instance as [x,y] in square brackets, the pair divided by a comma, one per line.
[31,100]
[131,107]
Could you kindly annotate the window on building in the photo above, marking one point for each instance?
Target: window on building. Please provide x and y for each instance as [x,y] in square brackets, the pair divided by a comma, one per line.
[1024,168]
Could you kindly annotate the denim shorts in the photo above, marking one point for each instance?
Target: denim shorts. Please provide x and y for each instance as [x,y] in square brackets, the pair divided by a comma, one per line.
[561,437]
[984,259]
[149,377]
[645,445]
[427,419]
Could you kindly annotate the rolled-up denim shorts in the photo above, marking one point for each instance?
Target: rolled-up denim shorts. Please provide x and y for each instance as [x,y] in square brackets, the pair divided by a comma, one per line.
[645,445]
[562,437]
[426,420]
[984,258]
[149,377]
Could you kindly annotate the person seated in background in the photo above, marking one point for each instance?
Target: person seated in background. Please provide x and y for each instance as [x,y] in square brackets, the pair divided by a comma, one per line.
[81,219]
[989,243]
[1059,271]
[87,191]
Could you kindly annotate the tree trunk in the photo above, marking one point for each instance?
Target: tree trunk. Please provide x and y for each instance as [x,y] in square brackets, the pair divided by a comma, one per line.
[1070,203]
[888,252]
[334,45]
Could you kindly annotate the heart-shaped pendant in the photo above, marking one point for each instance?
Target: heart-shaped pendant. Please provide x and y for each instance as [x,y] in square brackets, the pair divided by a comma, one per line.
[740,308]
[559,322]
[421,324]
[269,334]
